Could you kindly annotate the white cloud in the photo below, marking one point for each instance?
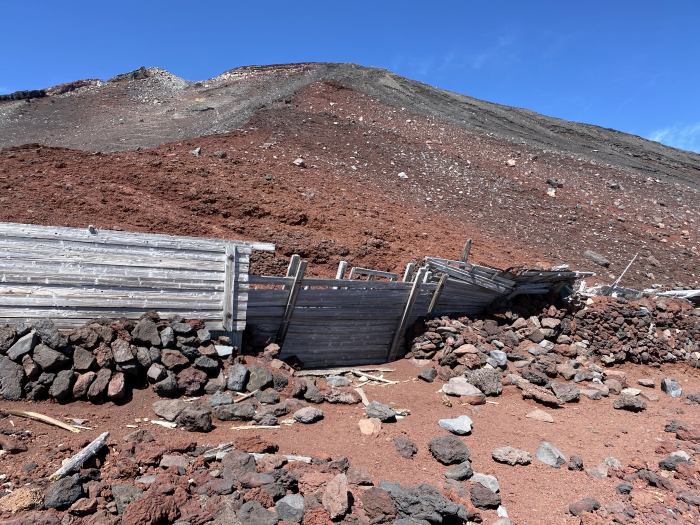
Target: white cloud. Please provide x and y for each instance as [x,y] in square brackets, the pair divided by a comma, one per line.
[682,136]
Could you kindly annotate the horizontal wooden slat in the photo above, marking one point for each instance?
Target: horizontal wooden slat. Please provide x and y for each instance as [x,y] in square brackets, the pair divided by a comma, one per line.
[125,238]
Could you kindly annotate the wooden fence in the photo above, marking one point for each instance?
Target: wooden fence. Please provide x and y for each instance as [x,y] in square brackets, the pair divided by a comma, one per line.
[74,275]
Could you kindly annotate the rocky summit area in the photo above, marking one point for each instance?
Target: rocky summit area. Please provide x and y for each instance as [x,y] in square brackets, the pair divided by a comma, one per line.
[338,161]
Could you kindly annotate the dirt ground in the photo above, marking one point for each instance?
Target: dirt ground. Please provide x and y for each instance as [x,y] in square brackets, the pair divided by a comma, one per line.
[532,494]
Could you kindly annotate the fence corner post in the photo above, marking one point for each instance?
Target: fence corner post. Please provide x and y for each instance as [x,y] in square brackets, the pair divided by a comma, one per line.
[410,301]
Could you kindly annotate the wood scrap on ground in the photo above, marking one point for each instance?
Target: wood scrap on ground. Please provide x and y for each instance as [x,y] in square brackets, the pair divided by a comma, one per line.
[363,396]
[81,457]
[245,396]
[339,371]
[379,379]
[36,416]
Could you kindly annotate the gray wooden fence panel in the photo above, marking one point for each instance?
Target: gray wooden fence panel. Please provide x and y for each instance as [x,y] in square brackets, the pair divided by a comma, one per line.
[73,275]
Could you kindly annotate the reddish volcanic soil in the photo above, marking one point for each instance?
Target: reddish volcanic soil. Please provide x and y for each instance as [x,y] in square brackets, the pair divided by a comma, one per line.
[532,494]
[350,203]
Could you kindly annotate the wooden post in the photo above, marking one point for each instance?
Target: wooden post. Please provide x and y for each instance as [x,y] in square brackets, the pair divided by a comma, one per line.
[291,302]
[436,294]
[410,301]
[466,250]
[408,271]
[230,287]
[342,266]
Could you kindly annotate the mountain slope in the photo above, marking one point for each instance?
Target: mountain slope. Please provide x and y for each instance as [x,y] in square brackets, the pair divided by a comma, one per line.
[149,107]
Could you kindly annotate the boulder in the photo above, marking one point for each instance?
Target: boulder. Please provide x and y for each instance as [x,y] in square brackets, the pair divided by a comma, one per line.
[63,493]
[405,447]
[173,359]
[62,386]
[488,380]
[169,409]
[83,360]
[122,352]
[24,345]
[237,378]
[484,498]
[191,381]
[11,378]
[98,388]
[194,419]
[460,471]
[49,359]
[511,456]
[550,455]
[259,379]
[427,374]
[124,494]
[116,388]
[380,411]
[234,412]
[308,415]
[290,508]
[448,450]
[583,506]
[459,386]
[670,386]
[167,387]
[629,402]
[146,332]
[461,425]
[82,384]
[565,392]
[335,497]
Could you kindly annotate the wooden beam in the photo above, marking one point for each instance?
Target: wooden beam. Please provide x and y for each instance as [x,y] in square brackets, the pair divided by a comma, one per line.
[467,249]
[291,302]
[436,294]
[410,301]
[342,266]
[357,270]
[408,271]
[230,271]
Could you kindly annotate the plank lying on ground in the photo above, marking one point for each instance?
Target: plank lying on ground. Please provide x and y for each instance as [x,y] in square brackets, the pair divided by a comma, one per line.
[36,416]
[373,377]
[339,371]
[254,427]
[363,396]
[81,457]
[245,396]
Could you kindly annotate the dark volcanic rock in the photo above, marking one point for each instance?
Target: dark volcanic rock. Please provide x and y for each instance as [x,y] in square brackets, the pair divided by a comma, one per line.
[380,411]
[448,450]
[62,387]
[11,377]
[63,493]
[124,494]
[98,388]
[483,497]
[146,332]
[237,378]
[405,447]
[423,503]
[49,359]
[583,506]
[237,412]
[488,380]
[83,359]
[259,378]
[194,419]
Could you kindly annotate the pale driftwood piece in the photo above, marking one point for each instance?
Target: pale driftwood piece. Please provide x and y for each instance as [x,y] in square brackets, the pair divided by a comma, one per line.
[44,419]
[245,396]
[363,396]
[373,378]
[255,427]
[466,251]
[81,457]
[166,424]
[339,371]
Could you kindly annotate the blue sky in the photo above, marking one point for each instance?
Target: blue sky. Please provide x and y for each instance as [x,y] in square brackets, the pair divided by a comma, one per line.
[632,65]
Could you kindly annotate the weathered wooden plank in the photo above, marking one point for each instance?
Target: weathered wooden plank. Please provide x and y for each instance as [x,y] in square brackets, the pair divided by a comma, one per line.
[28,244]
[98,259]
[229,287]
[359,271]
[393,348]
[291,302]
[125,238]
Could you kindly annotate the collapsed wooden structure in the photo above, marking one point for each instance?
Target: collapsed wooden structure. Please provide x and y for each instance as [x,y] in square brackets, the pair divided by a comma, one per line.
[73,276]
